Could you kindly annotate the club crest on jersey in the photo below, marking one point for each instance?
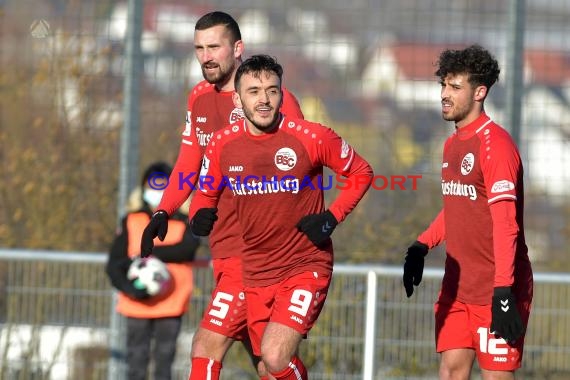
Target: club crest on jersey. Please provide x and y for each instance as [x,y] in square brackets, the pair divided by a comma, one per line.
[285,159]
[467,163]
[236,115]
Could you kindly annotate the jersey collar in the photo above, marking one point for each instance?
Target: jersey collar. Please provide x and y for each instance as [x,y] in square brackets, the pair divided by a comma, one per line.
[472,128]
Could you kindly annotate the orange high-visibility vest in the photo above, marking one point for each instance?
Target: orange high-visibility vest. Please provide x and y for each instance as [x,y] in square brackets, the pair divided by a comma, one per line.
[173,304]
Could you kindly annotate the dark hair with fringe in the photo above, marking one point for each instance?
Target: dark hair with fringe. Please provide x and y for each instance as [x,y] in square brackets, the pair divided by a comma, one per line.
[481,67]
[216,18]
[256,64]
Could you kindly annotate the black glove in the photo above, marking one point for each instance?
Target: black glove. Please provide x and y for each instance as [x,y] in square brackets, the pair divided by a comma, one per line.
[203,221]
[158,226]
[135,293]
[318,227]
[414,266]
[506,321]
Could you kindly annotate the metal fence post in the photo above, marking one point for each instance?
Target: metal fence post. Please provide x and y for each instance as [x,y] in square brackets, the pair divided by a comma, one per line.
[515,61]
[129,158]
[370,329]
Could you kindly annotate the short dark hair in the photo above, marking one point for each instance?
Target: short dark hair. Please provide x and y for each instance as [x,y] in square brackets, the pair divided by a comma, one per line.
[216,18]
[160,168]
[256,64]
[481,67]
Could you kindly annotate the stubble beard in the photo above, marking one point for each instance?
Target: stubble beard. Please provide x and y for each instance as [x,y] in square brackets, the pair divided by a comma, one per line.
[220,77]
[265,126]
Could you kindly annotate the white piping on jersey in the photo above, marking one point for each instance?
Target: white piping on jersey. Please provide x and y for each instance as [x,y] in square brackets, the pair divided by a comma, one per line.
[508,196]
[483,126]
[295,371]
[349,160]
[187,142]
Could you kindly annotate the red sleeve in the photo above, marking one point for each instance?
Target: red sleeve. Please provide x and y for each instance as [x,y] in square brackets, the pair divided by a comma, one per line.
[183,177]
[501,170]
[434,235]
[290,106]
[500,167]
[505,232]
[201,88]
[211,182]
[338,155]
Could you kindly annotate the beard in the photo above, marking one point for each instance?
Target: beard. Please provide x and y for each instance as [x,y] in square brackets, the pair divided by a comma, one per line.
[265,124]
[220,76]
[457,114]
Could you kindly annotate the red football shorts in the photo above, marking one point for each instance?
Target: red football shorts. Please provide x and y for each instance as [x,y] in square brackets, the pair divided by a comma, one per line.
[461,325]
[226,312]
[295,302]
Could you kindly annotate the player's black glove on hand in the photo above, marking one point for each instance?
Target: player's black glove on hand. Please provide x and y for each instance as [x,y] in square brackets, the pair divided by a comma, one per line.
[505,318]
[203,221]
[414,266]
[158,226]
[136,293]
[318,227]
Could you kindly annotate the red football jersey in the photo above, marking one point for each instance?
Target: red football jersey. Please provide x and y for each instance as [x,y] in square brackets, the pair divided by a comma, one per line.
[209,110]
[481,166]
[272,181]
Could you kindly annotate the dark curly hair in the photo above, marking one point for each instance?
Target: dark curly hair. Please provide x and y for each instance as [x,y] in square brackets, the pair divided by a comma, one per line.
[475,61]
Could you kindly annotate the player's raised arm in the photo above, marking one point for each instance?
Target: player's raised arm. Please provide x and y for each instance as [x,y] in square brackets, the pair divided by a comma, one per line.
[203,208]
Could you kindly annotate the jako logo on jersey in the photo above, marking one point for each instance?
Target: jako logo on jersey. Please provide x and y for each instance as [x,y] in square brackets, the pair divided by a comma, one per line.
[344,150]
[235,168]
[203,137]
[236,115]
[499,359]
[502,186]
[296,319]
[201,119]
[285,159]
[457,188]
[467,163]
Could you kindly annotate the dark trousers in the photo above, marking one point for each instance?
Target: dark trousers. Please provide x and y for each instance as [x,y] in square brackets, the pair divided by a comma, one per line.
[140,333]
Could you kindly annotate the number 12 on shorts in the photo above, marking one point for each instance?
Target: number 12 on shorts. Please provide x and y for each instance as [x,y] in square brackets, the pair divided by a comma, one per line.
[489,345]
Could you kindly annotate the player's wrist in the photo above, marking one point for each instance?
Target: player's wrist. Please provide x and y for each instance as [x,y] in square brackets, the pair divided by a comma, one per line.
[502,291]
[160,213]
[418,249]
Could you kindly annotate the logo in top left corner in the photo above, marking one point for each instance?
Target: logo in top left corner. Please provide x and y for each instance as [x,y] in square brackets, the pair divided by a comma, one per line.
[39,29]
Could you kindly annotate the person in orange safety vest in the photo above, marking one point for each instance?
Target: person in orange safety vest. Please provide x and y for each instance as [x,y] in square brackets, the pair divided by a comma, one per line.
[158,317]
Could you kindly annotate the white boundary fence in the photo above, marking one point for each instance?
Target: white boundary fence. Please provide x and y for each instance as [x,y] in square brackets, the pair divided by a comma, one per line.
[56,308]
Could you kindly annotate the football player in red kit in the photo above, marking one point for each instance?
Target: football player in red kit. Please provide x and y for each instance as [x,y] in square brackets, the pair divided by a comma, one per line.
[219,48]
[484,303]
[272,166]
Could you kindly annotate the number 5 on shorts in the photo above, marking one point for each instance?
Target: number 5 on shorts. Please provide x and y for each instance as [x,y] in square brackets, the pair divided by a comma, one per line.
[222,308]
